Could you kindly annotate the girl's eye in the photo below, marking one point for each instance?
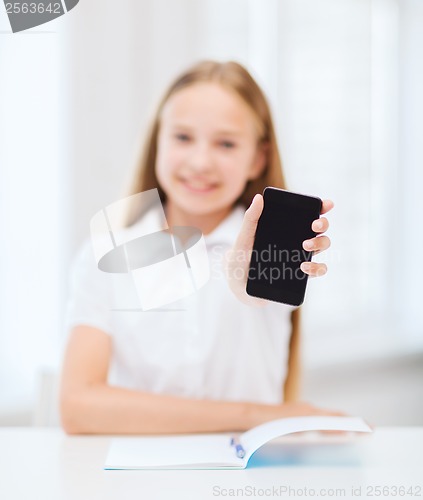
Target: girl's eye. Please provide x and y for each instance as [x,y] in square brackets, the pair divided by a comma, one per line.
[227,144]
[182,137]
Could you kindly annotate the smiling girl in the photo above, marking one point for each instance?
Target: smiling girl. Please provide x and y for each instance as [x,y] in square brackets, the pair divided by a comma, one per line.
[223,360]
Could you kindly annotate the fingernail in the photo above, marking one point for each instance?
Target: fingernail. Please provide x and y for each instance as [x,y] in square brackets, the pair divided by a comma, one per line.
[308,245]
[305,266]
[319,224]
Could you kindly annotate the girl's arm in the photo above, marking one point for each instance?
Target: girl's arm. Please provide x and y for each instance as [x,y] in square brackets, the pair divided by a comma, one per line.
[292,386]
[90,406]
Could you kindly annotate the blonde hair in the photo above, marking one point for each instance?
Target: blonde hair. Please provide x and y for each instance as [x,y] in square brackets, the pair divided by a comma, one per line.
[235,77]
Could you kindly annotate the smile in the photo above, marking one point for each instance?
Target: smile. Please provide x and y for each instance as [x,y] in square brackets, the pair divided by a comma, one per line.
[198,186]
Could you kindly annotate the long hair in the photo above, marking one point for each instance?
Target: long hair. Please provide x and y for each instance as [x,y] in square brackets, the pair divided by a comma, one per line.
[236,78]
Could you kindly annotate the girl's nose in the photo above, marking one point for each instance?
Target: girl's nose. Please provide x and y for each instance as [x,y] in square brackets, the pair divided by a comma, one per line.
[201,157]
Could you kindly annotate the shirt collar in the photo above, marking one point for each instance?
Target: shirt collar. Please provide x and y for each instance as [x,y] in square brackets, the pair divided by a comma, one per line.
[227,231]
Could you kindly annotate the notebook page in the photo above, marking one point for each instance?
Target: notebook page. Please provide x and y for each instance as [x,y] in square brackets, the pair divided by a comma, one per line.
[258,436]
[207,450]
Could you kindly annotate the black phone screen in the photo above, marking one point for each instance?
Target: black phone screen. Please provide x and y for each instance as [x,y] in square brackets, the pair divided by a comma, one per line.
[277,253]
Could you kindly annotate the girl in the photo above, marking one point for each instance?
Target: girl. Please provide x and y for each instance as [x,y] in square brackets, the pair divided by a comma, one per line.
[219,361]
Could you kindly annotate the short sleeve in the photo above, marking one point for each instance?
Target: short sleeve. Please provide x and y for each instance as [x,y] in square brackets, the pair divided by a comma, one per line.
[89,301]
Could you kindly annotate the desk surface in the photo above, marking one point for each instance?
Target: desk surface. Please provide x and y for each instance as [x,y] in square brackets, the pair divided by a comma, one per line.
[46,464]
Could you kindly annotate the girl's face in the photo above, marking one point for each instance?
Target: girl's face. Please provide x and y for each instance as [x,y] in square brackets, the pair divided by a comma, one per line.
[207,149]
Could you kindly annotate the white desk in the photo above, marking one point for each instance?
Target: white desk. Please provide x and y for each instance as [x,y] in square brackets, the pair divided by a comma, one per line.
[46,464]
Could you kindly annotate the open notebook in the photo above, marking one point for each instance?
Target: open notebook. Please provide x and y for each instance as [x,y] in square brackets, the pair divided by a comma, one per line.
[215,451]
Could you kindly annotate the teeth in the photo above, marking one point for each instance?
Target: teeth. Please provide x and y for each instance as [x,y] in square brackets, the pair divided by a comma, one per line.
[200,186]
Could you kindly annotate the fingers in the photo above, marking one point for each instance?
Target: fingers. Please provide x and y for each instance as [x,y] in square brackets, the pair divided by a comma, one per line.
[317,245]
[329,412]
[320,225]
[313,269]
[334,414]
[326,206]
[245,239]
[252,214]
[235,257]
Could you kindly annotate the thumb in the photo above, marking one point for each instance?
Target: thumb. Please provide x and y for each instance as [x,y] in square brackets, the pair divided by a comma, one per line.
[246,236]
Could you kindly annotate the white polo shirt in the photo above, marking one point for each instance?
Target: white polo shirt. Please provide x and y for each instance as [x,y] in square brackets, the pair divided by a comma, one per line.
[210,346]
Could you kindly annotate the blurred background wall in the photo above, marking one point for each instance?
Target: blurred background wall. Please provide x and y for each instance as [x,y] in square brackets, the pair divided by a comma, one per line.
[344,80]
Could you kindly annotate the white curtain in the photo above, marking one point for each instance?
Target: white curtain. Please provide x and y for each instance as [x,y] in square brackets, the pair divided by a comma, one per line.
[32,212]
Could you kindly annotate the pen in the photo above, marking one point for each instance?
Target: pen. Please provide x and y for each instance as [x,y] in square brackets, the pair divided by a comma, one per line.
[240,452]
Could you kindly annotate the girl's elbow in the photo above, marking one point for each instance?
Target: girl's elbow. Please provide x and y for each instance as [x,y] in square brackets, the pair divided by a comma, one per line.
[70,414]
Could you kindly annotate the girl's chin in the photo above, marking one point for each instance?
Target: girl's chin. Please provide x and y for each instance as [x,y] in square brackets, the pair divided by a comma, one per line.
[197,207]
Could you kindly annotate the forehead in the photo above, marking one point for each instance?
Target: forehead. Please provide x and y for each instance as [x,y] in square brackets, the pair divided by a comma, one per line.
[210,105]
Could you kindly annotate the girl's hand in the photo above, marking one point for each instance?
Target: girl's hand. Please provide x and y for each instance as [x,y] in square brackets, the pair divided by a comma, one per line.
[318,244]
[261,413]
[237,259]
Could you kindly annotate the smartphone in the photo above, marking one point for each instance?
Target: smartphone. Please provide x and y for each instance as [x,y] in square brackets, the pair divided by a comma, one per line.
[284,224]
